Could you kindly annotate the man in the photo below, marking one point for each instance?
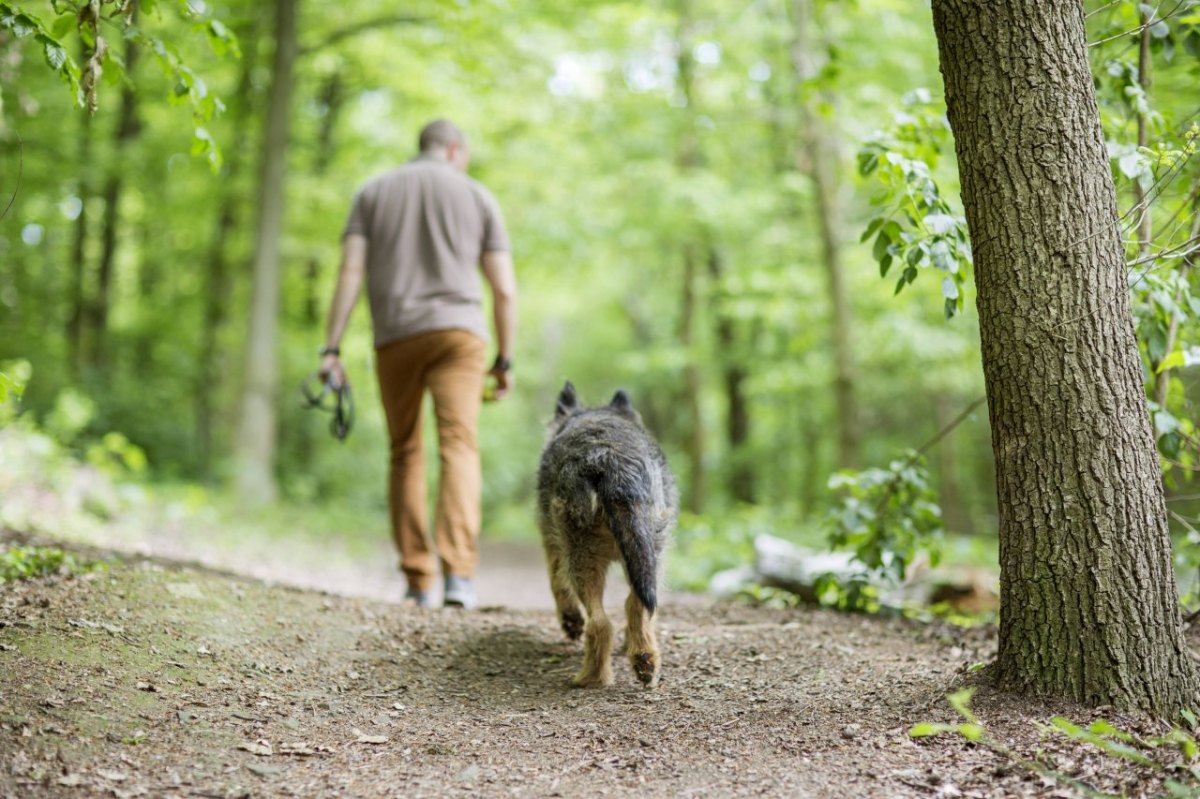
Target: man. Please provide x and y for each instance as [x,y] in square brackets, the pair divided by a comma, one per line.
[421,234]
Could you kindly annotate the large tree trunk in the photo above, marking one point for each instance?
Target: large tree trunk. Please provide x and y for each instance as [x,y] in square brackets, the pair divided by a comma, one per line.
[1088,603]
[256,442]
[818,156]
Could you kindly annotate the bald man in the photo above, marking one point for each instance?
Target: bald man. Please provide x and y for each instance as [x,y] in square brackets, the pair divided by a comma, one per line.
[421,235]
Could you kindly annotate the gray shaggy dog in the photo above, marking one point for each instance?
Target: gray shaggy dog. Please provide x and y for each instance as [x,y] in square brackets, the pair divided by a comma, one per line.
[605,493]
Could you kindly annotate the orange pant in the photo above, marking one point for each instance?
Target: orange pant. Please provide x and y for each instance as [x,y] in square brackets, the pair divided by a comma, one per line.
[450,364]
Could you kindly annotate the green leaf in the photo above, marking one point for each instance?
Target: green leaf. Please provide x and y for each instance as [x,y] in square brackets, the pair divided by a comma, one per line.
[926,728]
[872,227]
[961,702]
[1172,361]
[1189,717]
[56,54]
[949,288]
[884,264]
[972,732]
[63,25]
[882,242]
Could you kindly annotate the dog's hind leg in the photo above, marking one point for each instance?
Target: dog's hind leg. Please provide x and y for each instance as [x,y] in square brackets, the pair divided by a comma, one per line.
[570,614]
[641,643]
[588,580]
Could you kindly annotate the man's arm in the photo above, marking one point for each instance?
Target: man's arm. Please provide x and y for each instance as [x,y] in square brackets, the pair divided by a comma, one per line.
[498,269]
[350,278]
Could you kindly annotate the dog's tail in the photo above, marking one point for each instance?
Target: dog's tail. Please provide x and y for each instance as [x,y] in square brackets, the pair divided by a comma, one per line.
[623,493]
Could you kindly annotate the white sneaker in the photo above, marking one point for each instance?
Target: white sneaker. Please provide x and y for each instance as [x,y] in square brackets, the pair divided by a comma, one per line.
[460,593]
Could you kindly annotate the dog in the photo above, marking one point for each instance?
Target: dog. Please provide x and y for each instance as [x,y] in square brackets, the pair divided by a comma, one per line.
[605,493]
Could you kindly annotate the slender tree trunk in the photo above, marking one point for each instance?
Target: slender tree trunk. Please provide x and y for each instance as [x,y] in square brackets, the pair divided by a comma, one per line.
[693,385]
[218,286]
[1088,603]
[78,295]
[256,443]
[733,374]
[1144,227]
[690,159]
[1162,380]
[954,514]
[818,156]
[331,98]
[127,130]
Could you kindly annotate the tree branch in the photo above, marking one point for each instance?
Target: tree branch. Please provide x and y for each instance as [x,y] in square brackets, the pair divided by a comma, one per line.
[350,31]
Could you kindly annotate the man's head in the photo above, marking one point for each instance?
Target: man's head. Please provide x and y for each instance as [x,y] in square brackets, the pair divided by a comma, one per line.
[441,138]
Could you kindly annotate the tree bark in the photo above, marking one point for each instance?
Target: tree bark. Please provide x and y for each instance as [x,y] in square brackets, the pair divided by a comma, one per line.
[1088,603]
[818,157]
[257,435]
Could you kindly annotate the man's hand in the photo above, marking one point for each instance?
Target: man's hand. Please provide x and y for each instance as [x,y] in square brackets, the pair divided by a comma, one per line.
[332,371]
[504,383]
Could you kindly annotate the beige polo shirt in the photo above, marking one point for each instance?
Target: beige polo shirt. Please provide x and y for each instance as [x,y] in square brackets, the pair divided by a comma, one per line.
[427,225]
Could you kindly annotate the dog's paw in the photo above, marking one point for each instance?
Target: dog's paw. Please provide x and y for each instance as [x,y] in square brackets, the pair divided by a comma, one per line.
[572,625]
[645,666]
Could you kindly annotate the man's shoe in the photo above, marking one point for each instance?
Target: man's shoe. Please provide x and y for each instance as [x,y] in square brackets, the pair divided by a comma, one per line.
[460,592]
[422,599]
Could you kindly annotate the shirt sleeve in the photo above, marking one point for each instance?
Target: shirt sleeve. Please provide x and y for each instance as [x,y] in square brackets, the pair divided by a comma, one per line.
[495,234]
[356,223]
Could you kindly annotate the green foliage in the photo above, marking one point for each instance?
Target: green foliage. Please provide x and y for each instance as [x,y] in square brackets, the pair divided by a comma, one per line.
[14,376]
[886,517]
[26,563]
[705,545]
[915,225]
[87,25]
[1182,773]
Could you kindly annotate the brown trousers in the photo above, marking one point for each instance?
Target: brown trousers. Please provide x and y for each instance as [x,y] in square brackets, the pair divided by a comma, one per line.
[450,364]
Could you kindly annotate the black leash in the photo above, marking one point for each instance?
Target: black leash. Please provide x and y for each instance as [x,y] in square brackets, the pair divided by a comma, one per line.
[330,398]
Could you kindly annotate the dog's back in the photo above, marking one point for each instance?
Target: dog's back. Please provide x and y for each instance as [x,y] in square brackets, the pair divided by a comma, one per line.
[605,492]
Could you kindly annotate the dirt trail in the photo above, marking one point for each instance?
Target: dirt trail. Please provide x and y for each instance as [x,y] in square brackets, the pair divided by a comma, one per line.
[166,681]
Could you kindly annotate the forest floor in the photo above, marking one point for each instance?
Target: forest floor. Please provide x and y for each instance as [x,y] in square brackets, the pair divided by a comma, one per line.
[156,678]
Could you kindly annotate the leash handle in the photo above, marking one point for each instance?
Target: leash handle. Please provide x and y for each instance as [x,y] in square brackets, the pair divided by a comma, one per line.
[320,393]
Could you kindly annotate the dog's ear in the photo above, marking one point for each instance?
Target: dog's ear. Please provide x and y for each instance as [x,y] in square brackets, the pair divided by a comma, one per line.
[621,402]
[567,401]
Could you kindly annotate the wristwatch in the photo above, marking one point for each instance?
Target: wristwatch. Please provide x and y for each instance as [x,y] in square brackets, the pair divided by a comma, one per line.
[327,350]
[502,364]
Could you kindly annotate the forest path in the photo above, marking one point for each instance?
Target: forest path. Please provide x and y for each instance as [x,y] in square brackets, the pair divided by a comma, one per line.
[163,680]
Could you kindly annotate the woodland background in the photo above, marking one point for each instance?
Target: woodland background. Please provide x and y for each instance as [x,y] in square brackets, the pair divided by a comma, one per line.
[702,198]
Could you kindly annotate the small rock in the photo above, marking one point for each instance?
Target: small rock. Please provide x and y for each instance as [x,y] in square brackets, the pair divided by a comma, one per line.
[469,774]
[850,731]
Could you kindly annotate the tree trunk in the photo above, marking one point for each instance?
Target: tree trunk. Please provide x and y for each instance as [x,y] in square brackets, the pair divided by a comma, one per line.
[818,157]
[218,287]
[733,374]
[690,159]
[78,294]
[127,130]
[256,441]
[1088,603]
[692,386]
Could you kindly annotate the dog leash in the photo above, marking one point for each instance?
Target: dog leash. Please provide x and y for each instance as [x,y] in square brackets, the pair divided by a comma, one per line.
[319,392]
